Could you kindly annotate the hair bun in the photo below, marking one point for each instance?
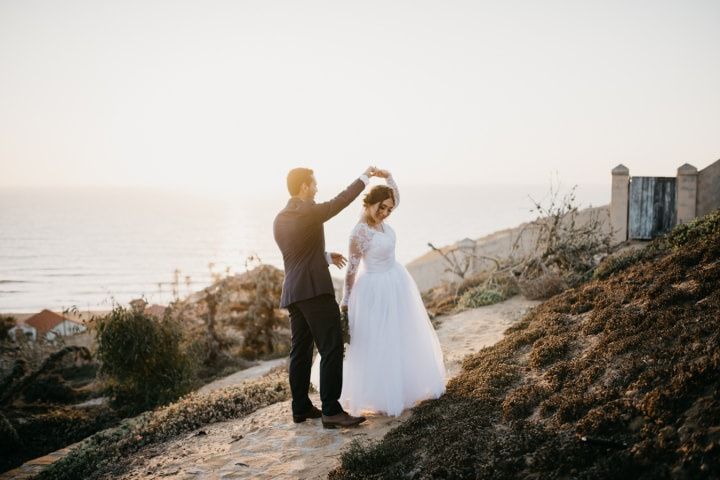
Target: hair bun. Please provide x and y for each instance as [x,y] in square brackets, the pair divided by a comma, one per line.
[379,193]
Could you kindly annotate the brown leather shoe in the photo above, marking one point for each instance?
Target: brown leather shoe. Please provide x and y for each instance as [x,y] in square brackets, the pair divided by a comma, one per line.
[342,419]
[314,412]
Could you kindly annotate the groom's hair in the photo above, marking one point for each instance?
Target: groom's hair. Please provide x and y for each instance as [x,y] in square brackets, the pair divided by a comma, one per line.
[296,178]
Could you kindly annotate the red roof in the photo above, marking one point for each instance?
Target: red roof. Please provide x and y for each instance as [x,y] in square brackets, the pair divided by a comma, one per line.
[45,321]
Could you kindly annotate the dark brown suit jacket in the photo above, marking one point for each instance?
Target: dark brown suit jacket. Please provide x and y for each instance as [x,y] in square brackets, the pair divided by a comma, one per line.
[299,233]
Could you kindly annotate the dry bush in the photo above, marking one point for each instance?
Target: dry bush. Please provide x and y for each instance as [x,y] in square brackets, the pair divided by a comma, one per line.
[484,288]
[541,286]
[235,318]
[566,250]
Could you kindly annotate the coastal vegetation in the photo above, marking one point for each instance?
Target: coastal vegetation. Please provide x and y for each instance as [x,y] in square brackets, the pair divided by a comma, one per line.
[6,323]
[565,250]
[141,360]
[134,359]
[108,453]
[617,377]
[46,398]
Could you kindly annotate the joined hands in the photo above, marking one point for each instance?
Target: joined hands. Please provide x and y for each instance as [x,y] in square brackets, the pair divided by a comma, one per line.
[377,172]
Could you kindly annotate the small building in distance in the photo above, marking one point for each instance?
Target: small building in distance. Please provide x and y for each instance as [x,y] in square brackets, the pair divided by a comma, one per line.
[23,329]
[51,325]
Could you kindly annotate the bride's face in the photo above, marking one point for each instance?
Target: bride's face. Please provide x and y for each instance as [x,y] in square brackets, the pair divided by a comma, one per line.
[381,210]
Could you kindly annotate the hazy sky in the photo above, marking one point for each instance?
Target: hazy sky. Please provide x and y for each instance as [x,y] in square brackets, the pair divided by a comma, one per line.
[228,95]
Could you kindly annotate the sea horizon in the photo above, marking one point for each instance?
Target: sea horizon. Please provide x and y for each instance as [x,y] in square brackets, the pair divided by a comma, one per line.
[91,247]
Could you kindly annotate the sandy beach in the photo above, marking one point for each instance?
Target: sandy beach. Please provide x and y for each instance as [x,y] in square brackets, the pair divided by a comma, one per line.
[267,444]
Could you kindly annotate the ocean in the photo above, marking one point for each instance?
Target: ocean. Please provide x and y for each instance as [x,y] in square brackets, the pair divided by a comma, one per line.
[91,248]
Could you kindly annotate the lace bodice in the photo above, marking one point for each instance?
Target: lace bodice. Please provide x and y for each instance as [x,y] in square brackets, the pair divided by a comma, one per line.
[372,247]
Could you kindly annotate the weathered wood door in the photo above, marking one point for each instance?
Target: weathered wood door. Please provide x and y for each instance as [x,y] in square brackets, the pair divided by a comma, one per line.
[652,207]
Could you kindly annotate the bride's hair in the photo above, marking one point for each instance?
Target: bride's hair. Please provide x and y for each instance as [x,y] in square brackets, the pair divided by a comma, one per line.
[379,193]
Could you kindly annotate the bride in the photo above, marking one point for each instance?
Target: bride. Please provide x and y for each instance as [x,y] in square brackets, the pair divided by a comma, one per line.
[394,358]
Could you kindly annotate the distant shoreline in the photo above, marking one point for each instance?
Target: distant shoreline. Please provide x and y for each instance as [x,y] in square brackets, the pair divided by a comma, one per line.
[88,250]
[80,316]
[427,269]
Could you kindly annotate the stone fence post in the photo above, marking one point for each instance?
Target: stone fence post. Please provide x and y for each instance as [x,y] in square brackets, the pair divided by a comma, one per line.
[619,199]
[466,247]
[686,193]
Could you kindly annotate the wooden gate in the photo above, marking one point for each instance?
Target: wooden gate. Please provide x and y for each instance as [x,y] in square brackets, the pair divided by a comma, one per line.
[652,207]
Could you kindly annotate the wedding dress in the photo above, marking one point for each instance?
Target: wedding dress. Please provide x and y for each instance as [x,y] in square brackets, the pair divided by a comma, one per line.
[394,357]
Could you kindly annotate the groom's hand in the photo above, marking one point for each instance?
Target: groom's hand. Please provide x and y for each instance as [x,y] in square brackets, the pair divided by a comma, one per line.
[338,260]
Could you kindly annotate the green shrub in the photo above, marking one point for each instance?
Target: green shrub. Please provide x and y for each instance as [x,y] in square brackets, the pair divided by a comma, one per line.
[6,323]
[9,439]
[260,322]
[142,360]
[51,388]
[79,373]
[695,230]
[10,445]
[479,297]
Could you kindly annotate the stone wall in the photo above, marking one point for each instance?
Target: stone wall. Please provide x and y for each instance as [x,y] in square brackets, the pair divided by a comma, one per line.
[708,198]
[432,269]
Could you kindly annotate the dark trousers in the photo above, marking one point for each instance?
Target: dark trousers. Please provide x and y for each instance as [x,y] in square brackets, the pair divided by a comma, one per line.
[316,319]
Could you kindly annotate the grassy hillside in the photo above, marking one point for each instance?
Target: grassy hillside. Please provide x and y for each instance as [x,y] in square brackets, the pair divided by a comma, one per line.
[617,378]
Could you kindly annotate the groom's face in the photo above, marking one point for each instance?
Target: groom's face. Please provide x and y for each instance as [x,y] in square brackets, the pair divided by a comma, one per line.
[310,188]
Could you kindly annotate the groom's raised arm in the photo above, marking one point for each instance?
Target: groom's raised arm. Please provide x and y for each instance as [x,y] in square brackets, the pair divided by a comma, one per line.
[322,212]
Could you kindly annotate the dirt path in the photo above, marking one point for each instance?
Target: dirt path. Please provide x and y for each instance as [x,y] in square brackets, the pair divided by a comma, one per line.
[267,444]
[238,377]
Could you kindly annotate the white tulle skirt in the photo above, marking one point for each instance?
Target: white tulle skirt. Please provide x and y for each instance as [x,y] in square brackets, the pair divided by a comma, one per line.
[394,359]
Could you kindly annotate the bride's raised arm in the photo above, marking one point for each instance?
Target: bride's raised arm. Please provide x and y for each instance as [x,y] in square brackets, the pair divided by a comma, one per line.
[359,241]
[391,183]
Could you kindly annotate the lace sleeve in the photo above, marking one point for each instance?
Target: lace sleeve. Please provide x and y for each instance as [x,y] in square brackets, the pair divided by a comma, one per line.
[359,241]
[391,183]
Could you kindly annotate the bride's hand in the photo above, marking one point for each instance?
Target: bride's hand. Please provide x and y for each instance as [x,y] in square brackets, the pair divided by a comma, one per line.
[371,172]
[382,173]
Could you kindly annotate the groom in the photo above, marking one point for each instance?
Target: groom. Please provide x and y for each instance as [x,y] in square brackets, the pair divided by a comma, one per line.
[309,295]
